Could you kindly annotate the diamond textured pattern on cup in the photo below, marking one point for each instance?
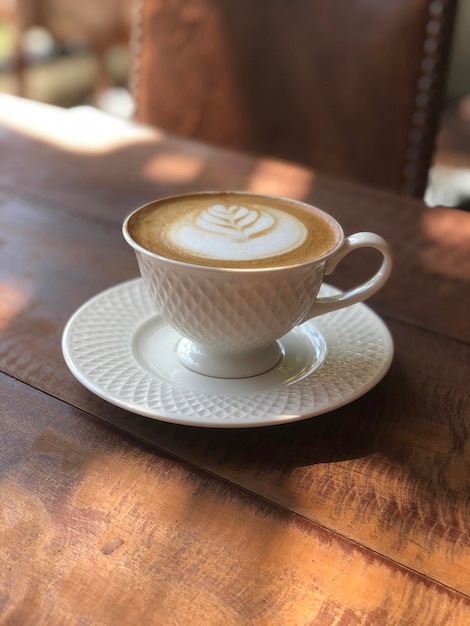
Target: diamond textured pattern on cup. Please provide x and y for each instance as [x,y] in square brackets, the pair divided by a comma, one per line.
[99,345]
[228,316]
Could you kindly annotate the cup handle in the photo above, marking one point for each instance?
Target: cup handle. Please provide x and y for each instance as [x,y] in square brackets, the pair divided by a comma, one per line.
[366,289]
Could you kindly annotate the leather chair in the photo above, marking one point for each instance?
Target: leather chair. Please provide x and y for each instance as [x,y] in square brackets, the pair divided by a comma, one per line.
[352,89]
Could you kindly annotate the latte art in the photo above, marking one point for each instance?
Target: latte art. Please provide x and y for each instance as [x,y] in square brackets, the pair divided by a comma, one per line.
[233,229]
[237,222]
[237,233]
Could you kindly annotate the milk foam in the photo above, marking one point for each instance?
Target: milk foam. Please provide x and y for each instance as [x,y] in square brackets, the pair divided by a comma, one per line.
[236,232]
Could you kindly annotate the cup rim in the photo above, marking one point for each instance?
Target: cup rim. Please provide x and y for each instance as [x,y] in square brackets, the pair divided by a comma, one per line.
[234,270]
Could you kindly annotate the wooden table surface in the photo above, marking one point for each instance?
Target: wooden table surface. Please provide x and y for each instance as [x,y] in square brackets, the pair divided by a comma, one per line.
[359,516]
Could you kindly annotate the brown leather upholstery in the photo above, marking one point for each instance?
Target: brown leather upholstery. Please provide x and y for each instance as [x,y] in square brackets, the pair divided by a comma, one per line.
[351,88]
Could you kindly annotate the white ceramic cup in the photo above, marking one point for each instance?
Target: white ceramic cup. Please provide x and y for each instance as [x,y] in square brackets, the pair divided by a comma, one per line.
[230,319]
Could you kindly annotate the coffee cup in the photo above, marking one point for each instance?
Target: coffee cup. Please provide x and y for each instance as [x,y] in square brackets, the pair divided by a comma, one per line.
[233,272]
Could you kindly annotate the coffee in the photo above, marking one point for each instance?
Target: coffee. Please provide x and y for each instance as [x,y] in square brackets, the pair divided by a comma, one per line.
[233,230]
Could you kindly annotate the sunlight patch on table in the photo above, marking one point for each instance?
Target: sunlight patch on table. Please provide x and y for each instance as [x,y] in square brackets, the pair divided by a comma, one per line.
[173,168]
[81,129]
[280,179]
[13,300]
[447,232]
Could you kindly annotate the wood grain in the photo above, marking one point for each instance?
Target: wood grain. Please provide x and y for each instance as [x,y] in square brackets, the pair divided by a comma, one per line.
[331,470]
[431,248]
[390,471]
[96,529]
[360,516]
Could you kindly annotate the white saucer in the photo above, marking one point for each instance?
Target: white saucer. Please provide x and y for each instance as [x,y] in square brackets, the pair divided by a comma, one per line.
[119,348]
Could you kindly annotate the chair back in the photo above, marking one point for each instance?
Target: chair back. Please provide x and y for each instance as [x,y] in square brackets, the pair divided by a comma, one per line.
[352,89]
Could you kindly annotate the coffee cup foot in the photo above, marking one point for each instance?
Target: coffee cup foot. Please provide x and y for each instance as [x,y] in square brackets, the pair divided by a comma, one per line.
[217,364]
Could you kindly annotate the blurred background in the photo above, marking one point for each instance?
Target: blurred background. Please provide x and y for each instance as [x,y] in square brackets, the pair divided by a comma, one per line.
[76,52]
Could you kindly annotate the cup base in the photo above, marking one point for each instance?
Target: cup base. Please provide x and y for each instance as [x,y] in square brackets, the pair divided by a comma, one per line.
[245,364]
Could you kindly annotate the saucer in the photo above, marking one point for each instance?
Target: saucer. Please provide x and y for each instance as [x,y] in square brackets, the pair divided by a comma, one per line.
[119,348]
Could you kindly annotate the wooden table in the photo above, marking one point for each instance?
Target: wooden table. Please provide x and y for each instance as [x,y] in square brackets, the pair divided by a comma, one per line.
[360,516]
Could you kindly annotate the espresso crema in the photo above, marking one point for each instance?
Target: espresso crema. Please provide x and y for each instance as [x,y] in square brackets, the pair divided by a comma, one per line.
[233,230]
